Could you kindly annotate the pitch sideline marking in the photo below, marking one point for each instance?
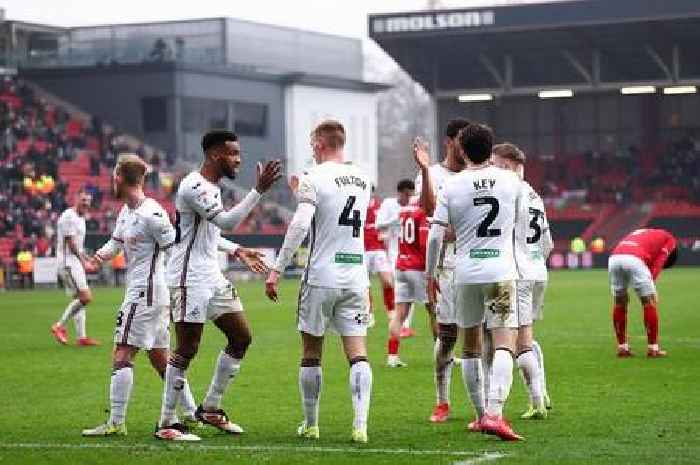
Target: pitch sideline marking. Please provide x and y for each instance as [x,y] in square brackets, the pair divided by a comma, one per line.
[477,457]
[485,457]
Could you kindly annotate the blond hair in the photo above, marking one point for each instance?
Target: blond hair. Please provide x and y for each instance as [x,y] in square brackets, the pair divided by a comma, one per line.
[509,151]
[331,132]
[131,168]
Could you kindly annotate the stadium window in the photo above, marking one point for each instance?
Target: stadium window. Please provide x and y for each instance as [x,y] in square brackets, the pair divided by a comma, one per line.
[200,114]
[250,119]
[154,114]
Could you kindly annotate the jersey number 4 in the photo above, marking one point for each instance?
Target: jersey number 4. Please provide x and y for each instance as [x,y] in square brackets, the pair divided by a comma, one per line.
[484,230]
[350,217]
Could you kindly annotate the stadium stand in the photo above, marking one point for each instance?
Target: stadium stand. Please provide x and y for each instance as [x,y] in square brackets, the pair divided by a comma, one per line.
[48,151]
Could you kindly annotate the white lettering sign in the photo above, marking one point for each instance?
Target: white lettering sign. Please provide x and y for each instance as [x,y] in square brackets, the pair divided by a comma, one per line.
[433,21]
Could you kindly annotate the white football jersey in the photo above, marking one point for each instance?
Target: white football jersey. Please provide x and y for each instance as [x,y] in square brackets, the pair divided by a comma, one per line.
[530,233]
[438,175]
[481,205]
[194,259]
[70,224]
[341,194]
[144,233]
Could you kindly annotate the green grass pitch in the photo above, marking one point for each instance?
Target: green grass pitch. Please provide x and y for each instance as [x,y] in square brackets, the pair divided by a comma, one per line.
[606,411]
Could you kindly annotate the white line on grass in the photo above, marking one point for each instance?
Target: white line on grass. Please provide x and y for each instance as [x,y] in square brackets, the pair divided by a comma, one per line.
[476,457]
[485,457]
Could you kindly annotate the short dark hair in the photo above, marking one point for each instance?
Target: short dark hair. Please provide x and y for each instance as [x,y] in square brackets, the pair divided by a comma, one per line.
[217,137]
[672,258]
[477,141]
[454,126]
[405,184]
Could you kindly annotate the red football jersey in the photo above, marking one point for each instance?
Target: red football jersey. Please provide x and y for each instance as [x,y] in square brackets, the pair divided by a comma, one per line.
[412,239]
[652,246]
[372,241]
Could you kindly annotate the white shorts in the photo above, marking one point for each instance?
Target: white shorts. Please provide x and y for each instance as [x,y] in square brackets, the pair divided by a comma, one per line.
[409,286]
[344,310]
[446,299]
[202,303]
[378,261]
[140,325]
[628,270]
[73,278]
[492,304]
[530,301]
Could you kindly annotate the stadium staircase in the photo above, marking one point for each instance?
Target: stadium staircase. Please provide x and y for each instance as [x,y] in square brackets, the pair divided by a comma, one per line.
[76,173]
[620,222]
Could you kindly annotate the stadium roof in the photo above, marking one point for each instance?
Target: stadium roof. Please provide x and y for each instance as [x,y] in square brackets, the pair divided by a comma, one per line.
[585,45]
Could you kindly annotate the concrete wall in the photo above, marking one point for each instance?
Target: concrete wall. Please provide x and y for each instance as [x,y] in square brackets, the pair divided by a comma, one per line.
[114,94]
[306,106]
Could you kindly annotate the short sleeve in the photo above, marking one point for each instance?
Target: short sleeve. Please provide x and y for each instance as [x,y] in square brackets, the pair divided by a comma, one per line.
[441,216]
[204,200]
[161,229]
[307,190]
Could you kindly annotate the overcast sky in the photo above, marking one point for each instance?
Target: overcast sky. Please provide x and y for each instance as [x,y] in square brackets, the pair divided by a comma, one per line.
[342,17]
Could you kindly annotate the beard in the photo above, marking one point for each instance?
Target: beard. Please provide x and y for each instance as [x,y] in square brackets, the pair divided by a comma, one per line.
[229,172]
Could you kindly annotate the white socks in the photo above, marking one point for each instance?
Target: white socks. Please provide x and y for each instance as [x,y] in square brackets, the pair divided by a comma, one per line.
[119,392]
[473,378]
[361,389]
[189,406]
[79,320]
[500,382]
[530,371]
[174,384]
[443,372]
[537,350]
[310,381]
[226,369]
[409,318]
[71,309]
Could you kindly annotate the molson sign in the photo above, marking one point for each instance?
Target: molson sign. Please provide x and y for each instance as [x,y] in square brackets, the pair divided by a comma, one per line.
[433,21]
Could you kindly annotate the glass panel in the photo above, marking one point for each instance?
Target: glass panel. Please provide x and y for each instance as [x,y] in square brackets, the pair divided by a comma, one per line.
[250,119]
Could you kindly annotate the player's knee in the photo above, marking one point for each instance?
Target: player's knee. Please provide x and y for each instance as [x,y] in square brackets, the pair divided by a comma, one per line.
[648,299]
[621,300]
[85,298]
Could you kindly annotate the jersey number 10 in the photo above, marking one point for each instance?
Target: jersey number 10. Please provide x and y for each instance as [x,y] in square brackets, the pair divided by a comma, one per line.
[408,231]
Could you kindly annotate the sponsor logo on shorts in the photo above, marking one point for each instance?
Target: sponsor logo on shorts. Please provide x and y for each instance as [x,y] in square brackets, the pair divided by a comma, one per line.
[362,318]
[348,258]
[484,253]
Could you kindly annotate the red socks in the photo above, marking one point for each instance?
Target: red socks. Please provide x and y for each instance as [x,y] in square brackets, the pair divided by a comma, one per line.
[393,346]
[389,299]
[651,322]
[620,323]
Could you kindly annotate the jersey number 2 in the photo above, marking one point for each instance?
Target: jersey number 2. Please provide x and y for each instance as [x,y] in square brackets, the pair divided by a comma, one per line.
[350,217]
[483,230]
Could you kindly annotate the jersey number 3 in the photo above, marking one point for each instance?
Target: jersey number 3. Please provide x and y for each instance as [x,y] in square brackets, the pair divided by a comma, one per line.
[484,230]
[350,217]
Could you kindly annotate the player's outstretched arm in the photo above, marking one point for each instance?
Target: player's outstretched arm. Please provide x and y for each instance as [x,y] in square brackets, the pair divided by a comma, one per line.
[252,259]
[108,250]
[266,176]
[422,157]
[297,231]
